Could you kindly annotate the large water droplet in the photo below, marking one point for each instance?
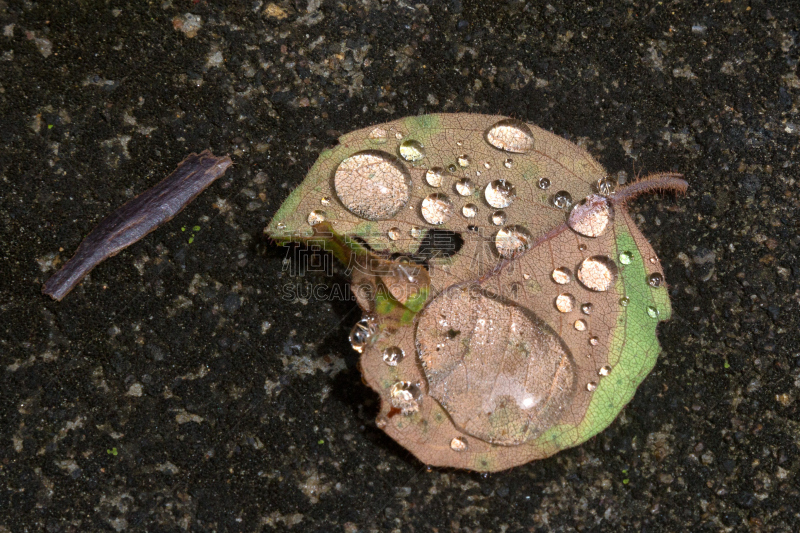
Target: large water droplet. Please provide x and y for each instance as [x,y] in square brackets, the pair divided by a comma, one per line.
[544,183]
[469,210]
[436,209]
[406,397]
[655,279]
[316,217]
[562,200]
[465,187]
[591,218]
[434,176]
[597,273]
[499,218]
[511,135]
[512,240]
[362,333]
[393,355]
[372,185]
[412,150]
[605,186]
[565,302]
[458,444]
[625,258]
[500,193]
[562,275]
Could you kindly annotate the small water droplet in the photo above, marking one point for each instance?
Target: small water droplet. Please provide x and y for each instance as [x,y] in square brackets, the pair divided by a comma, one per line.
[459,143]
[582,247]
[606,370]
[654,260]
[281,225]
[398,135]
[591,386]
[325,200]
[591,217]
[580,324]
[378,135]
[362,333]
[458,444]
[436,209]
[605,186]
[624,301]
[499,218]
[511,135]
[594,341]
[625,258]
[562,275]
[381,422]
[512,240]
[394,233]
[487,165]
[652,312]
[434,176]
[597,273]
[544,183]
[587,308]
[416,232]
[393,355]
[526,276]
[562,200]
[655,279]
[465,187]
[500,193]
[469,210]
[565,302]
[316,217]
[372,184]
[508,162]
[451,168]
[472,228]
[463,160]
[412,150]
[405,396]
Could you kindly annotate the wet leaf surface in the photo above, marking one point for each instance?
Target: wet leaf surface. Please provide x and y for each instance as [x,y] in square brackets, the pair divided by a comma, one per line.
[510,302]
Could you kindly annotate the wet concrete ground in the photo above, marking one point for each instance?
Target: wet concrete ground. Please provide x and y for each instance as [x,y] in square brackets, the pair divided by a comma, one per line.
[177,388]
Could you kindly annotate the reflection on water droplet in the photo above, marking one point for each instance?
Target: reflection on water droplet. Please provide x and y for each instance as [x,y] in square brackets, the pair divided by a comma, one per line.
[405,396]
[458,444]
[565,302]
[580,324]
[325,200]
[624,301]
[508,162]
[605,186]
[597,273]
[378,135]
[511,135]
[500,193]
[362,333]
[434,176]
[393,355]
[512,240]
[562,275]
[436,209]
[372,185]
[469,210]
[416,232]
[562,200]
[499,218]
[315,217]
[606,370]
[464,187]
[591,386]
[451,168]
[463,160]
[394,233]
[591,217]
[412,150]
[594,341]
[652,312]
[544,183]
[625,258]
[587,309]
[655,279]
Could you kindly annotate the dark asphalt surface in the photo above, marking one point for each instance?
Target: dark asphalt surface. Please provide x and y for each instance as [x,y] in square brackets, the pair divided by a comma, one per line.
[177,390]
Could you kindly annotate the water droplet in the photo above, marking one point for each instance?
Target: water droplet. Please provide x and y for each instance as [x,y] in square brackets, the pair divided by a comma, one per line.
[624,301]
[544,183]
[594,341]
[591,217]
[362,333]
[500,193]
[654,260]
[393,355]
[451,168]
[582,247]
[487,165]
[469,210]
[436,209]
[508,162]
[499,218]
[458,444]
[394,233]
[591,386]
[526,276]
[378,135]
[655,279]
[605,186]
[412,150]
[325,200]
[398,135]
[381,422]
[512,240]
[511,135]
[606,370]
[434,176]
[562,275]
[652,312]
[587,308]
[463,160]
[464,187]
[372,185]
[580,324]
[472,228]
[316,217]
[405,396]
[565,302]
[625,258]
[416,232]
[562,200]
[597,273]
